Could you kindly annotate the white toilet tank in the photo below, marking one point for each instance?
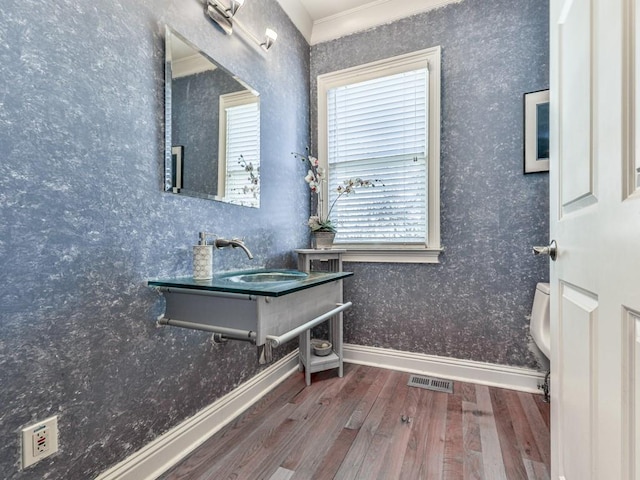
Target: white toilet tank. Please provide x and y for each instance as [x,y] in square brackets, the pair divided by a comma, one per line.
[539,324]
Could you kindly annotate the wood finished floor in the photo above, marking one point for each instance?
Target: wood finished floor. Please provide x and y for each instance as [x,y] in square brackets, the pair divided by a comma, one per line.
[352,428]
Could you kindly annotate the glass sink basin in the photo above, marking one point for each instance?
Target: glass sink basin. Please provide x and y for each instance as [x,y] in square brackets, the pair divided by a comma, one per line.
[266,276]
[261,282]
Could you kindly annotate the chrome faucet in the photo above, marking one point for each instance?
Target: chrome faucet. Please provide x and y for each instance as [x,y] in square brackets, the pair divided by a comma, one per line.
[235,243]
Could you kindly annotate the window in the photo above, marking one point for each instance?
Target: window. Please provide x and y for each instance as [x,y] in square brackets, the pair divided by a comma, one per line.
[381,121]
[239,162]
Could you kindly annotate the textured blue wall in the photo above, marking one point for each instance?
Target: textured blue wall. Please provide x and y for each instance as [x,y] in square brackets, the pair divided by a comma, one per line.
[475,304]
[85,221]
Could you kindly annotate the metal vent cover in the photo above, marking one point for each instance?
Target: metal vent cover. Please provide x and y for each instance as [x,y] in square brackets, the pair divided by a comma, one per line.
[431,383]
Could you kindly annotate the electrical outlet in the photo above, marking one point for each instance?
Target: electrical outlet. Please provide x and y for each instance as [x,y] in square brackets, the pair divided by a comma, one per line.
[39,441]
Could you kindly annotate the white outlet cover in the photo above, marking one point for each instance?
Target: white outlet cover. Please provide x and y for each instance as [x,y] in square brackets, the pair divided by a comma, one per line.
[30,454]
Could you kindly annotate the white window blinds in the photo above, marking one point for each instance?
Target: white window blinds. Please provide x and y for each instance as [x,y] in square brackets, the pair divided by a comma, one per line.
[242,154]
[377,130]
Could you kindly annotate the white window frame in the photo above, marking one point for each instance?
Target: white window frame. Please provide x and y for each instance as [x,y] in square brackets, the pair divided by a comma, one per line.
[395,253]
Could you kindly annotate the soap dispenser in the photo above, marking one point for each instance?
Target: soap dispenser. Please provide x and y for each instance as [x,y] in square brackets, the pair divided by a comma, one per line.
[203,258]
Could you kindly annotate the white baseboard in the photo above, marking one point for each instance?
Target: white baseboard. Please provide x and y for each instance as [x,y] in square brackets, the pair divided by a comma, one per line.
[168,449]
[514,378]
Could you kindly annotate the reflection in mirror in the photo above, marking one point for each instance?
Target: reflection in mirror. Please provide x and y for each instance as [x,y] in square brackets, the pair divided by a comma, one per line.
[212,122]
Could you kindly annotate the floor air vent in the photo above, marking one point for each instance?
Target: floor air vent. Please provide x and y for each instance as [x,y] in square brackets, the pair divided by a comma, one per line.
[431,383]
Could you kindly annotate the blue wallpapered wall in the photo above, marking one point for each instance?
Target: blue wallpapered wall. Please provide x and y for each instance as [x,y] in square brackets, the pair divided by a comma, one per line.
[85,221]
[475,304]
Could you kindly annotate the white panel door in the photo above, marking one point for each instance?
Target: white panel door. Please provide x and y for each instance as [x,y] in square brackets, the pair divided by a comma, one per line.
[595,219]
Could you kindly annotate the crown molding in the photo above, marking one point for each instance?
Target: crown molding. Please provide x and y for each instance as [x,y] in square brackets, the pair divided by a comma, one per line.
[191,65]
[369,15]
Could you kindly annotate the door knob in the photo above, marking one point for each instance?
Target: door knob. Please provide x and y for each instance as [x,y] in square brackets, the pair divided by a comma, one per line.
[551,250]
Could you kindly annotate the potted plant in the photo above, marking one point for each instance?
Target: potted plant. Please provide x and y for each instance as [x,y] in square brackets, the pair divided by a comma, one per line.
[323,231]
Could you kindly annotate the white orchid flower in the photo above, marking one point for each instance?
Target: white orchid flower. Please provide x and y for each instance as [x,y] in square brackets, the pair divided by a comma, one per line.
[310,177]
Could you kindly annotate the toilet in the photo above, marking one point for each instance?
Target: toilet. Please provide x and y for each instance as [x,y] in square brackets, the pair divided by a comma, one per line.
[539,324]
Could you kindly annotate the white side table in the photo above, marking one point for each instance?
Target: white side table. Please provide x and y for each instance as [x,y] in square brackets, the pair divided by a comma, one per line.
[332,257]
[307,361]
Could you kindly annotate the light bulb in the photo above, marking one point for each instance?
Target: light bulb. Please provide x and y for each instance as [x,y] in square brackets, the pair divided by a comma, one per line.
[270,37]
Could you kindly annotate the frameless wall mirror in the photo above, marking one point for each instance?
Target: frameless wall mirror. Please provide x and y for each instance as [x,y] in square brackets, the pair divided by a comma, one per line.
[212,128]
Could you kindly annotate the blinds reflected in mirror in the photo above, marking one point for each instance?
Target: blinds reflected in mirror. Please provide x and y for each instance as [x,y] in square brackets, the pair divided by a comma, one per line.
[240,145]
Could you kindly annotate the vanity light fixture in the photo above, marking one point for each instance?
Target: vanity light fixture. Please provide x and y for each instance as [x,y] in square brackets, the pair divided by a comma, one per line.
[223,16]
[270,37]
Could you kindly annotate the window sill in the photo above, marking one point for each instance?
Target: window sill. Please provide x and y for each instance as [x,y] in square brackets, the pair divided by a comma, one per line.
[390,254]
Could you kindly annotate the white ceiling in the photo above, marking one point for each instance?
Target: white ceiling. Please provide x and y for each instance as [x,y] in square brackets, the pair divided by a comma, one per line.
[323,20]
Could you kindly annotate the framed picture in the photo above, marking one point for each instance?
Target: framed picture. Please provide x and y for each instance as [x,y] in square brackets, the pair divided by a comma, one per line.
[177,164]
[536,131]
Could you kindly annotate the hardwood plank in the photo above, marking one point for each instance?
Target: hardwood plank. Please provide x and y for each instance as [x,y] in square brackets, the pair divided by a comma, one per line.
[335,456]
[316,454]
[526,442]
[354,458]
[467,391]
[536,470]
[471,427]
[433,460]
[307,454]
[366,403]
[416,452]
[281,474]
[453,468]
[309,415]
[256,449]
[492,460]
[323,391]
[319,377]
[224,441]
[545,409]
[511,453]
[373,460]
[538,426]
[246,449]
[271,449]
[472,446]
[394,458]
[473,468]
